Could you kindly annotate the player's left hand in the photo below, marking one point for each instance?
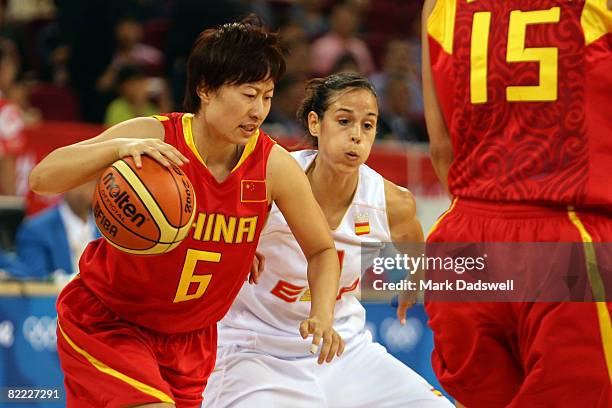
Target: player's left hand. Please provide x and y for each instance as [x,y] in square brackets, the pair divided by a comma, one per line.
[257,268]
[333,345]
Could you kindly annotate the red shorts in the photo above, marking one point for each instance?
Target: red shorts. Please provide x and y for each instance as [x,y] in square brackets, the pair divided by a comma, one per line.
[522,355]
[108,362]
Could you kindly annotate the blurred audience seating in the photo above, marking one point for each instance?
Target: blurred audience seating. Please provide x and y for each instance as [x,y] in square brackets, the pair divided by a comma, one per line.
[155,32]
[44,137]
[55,103]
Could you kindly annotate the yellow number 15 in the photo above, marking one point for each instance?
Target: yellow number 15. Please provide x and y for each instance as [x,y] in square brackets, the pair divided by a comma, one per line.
[517,52]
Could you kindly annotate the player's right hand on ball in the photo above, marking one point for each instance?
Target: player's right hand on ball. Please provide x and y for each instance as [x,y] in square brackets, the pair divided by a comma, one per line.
[333,345]
[164,153]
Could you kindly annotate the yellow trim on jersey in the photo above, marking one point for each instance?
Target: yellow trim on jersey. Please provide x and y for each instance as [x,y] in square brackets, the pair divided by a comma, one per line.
[187,132]
[441,24]
[248,149]
[161,118]
[479,57]
[444,214]
[603,314]
[596,20]
[597,286]
[144,388]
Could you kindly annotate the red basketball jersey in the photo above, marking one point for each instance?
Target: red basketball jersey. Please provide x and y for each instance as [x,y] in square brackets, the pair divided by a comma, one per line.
[194,285]
[525,87]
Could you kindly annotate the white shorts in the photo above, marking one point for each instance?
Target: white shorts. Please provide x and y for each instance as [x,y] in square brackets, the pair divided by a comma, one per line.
[364,376]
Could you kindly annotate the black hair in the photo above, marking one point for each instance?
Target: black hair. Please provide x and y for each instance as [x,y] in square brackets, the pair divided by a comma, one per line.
[320,92]
[234,53]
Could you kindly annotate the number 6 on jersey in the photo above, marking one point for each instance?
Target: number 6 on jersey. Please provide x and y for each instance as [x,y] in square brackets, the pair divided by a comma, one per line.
[187,277]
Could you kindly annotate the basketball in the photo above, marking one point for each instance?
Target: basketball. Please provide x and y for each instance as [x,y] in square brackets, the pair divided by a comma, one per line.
[146,211]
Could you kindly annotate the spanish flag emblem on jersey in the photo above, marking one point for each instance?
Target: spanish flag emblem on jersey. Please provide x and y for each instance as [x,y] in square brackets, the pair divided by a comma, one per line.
[362,224]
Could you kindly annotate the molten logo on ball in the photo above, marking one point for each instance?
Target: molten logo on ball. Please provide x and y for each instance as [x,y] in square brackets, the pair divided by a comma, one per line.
[144,210]
[122,200]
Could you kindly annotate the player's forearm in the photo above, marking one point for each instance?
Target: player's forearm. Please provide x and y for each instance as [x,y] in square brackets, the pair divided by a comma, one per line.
[70,166]
[323,279]
[441,158]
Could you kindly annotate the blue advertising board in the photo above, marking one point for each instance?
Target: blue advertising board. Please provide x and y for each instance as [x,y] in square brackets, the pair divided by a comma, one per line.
[28,355]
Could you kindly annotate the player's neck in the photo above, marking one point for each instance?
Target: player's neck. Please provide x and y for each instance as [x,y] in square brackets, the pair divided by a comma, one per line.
[331,187]
[214,150]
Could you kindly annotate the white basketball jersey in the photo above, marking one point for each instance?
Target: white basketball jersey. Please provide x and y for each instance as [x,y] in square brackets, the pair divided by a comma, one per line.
[274,308]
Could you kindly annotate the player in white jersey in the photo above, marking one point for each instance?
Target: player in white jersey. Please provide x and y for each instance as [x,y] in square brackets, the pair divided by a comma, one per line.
[261,362]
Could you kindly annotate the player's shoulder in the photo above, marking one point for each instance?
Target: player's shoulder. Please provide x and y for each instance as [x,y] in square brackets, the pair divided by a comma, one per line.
[141,127]
[170,116]
[400,201]
[172,121]
[283,172]
[280,163]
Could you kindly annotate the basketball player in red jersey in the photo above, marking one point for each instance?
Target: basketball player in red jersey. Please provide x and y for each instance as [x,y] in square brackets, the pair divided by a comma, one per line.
[517,97]
[141,331]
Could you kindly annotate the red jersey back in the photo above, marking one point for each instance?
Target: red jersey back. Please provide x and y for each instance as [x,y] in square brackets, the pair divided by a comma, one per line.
[194,285]
[525,88]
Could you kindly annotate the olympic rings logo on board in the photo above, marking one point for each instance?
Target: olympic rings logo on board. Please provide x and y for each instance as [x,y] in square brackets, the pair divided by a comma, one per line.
[401,338]
[7,333]
[40,332]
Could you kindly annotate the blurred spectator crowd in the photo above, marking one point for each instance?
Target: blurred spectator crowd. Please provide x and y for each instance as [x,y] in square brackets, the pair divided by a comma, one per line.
[105,61]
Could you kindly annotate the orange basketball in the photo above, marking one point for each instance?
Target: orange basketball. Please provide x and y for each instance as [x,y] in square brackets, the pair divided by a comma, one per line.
[144,211]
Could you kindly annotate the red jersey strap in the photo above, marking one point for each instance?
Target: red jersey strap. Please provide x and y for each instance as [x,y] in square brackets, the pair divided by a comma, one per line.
[267,143]
[170,122]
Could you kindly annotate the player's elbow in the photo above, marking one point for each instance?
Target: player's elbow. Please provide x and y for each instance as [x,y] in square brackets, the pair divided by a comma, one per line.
[38,184]
[34,180]
[320,252]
